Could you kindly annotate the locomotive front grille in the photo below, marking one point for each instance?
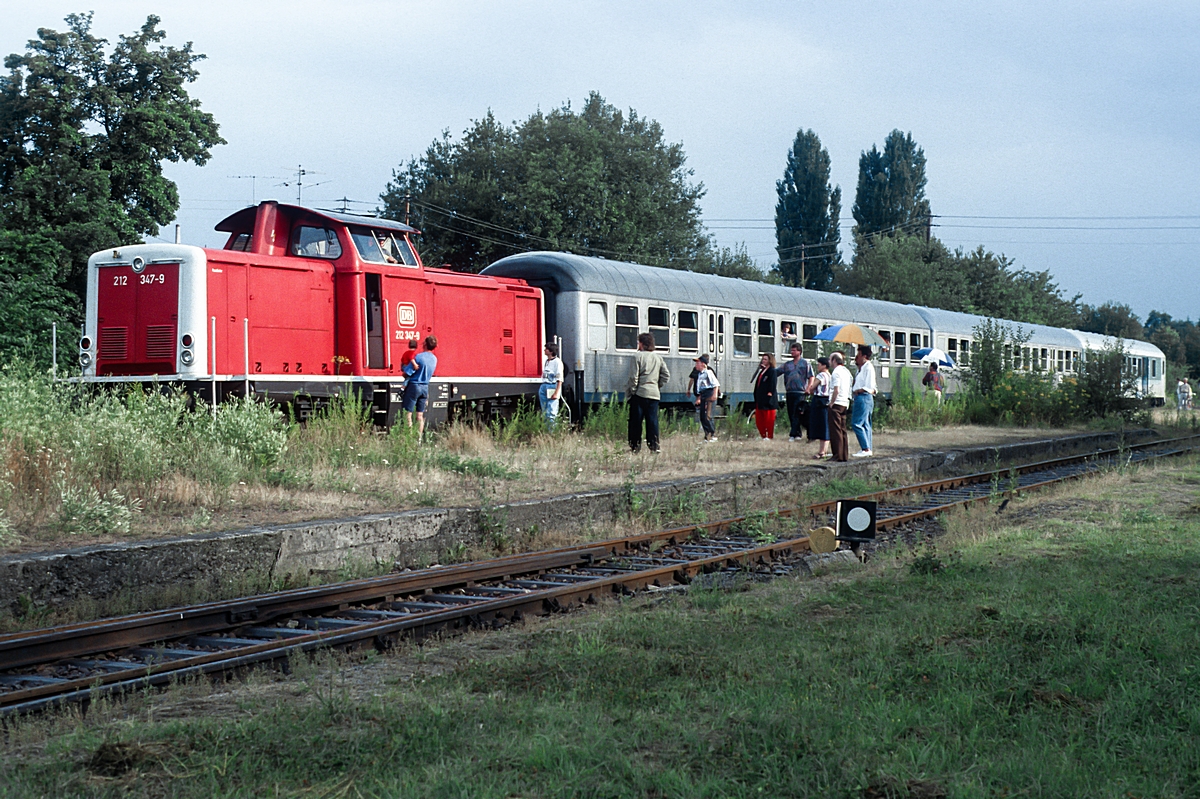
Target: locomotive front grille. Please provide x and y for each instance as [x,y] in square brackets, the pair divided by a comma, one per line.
[160,342]
[114,343]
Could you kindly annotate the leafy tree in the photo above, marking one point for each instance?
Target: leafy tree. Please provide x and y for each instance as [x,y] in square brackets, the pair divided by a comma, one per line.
[890,198]
[1111,319]
[31,297]
[992,353]
[596,182]
[913,269]
[83,134]
[806,216]
[996,288]
[1179,339]
[1104,386]
[905,269]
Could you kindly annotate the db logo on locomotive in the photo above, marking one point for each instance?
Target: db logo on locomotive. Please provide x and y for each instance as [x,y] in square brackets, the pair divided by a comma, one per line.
[406,314]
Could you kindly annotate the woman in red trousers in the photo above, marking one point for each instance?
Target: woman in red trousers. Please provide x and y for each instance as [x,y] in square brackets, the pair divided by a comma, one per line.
[766,397]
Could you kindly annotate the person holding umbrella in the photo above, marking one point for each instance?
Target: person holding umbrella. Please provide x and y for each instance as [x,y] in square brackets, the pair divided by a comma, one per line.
[933,381]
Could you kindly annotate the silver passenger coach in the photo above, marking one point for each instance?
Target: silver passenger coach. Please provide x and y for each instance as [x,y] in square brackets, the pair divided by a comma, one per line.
[596,308]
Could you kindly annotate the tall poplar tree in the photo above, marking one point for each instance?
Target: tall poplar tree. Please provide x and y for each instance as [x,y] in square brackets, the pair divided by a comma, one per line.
[890,199]
[807,215]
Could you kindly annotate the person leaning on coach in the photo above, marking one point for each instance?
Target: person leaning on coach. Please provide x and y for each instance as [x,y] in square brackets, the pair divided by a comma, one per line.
[647,376]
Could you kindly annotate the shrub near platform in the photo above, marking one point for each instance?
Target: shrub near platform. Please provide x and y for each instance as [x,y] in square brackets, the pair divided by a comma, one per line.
[1050,657]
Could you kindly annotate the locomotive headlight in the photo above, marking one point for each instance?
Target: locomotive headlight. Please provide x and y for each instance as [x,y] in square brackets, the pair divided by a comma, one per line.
[185,357]
[139,264]
[187,339]
[85,343]
[85,359]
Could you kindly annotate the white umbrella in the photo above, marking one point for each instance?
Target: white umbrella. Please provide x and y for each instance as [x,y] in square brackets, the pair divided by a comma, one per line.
[934,355]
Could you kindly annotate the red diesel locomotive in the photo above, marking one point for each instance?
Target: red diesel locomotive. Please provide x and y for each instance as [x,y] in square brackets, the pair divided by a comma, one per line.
[302,305]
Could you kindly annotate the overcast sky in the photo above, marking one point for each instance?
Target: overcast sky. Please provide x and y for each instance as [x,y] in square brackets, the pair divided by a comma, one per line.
[1063,135]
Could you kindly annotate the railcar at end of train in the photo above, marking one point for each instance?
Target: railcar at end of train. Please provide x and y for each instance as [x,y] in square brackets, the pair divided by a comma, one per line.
[303,305]
[597,308]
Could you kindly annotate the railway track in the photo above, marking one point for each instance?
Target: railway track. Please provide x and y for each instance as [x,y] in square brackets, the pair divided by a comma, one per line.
[74,663]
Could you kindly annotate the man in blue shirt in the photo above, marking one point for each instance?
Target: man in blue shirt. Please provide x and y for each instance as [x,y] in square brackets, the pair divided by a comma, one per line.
[796,374]
[419,372]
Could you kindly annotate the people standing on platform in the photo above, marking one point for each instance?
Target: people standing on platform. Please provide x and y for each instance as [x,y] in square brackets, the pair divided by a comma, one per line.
[707,386]
[864,390]
[766,399]
[647,375]
[840,383]
[416,391]
[818,409]
[933,382]
[550,392]
[796,376]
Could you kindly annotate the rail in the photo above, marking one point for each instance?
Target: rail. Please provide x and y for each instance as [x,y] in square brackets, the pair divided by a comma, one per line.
[75,662]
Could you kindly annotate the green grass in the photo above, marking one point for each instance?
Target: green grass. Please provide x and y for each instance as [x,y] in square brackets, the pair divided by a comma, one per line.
[1054,659]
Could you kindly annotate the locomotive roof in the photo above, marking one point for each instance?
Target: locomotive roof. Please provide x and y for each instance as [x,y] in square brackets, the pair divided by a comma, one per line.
[244,219]
[566,272]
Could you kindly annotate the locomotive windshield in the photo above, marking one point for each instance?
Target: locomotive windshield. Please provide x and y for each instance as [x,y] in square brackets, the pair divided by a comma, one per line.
[381,247]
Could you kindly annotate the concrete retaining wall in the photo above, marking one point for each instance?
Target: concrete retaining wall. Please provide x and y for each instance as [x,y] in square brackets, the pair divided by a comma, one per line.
[161,567]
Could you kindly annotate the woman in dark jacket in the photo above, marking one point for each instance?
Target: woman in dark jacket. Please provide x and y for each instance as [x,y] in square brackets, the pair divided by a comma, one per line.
[766,397]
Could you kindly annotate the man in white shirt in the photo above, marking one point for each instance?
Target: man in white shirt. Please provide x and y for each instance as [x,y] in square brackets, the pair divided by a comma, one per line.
[550,392]
[839,405]
[864,400]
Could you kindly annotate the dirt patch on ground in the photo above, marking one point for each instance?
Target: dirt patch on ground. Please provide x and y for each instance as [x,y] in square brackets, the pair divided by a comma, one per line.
[572,463]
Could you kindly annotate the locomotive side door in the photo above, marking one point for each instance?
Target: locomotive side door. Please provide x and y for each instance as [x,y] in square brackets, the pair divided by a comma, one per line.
[373,322]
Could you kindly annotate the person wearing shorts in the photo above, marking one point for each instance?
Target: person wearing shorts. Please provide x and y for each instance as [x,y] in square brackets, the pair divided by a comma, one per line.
[419,372]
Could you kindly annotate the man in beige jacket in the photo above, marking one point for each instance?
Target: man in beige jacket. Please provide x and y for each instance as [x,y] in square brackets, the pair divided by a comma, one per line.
[646,379]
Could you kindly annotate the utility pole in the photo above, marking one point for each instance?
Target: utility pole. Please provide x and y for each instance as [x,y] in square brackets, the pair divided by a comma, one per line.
[407,200]
[803,265]
[345,201]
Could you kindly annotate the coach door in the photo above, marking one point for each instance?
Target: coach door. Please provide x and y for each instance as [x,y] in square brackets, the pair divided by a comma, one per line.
[716,336]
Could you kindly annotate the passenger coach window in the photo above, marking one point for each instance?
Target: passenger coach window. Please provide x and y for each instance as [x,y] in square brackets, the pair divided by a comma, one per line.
[788,332]
[627,327]
[914,344]
[901,347]
[597,326]
[689,331]
[315,242]
[660,327]
[742,337]
[766,336]
[886,352]
[809,333]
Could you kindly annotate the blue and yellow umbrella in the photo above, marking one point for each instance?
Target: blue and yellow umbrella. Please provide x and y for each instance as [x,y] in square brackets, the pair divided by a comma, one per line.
[851,333]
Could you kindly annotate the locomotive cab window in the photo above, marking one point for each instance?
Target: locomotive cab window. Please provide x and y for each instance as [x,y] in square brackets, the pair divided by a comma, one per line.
[395,249]
[242,242]
[367,246]
[743,337]
[627,327]
[315,242]
[597,321]
[660,327]
[689,331]
[766,336]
